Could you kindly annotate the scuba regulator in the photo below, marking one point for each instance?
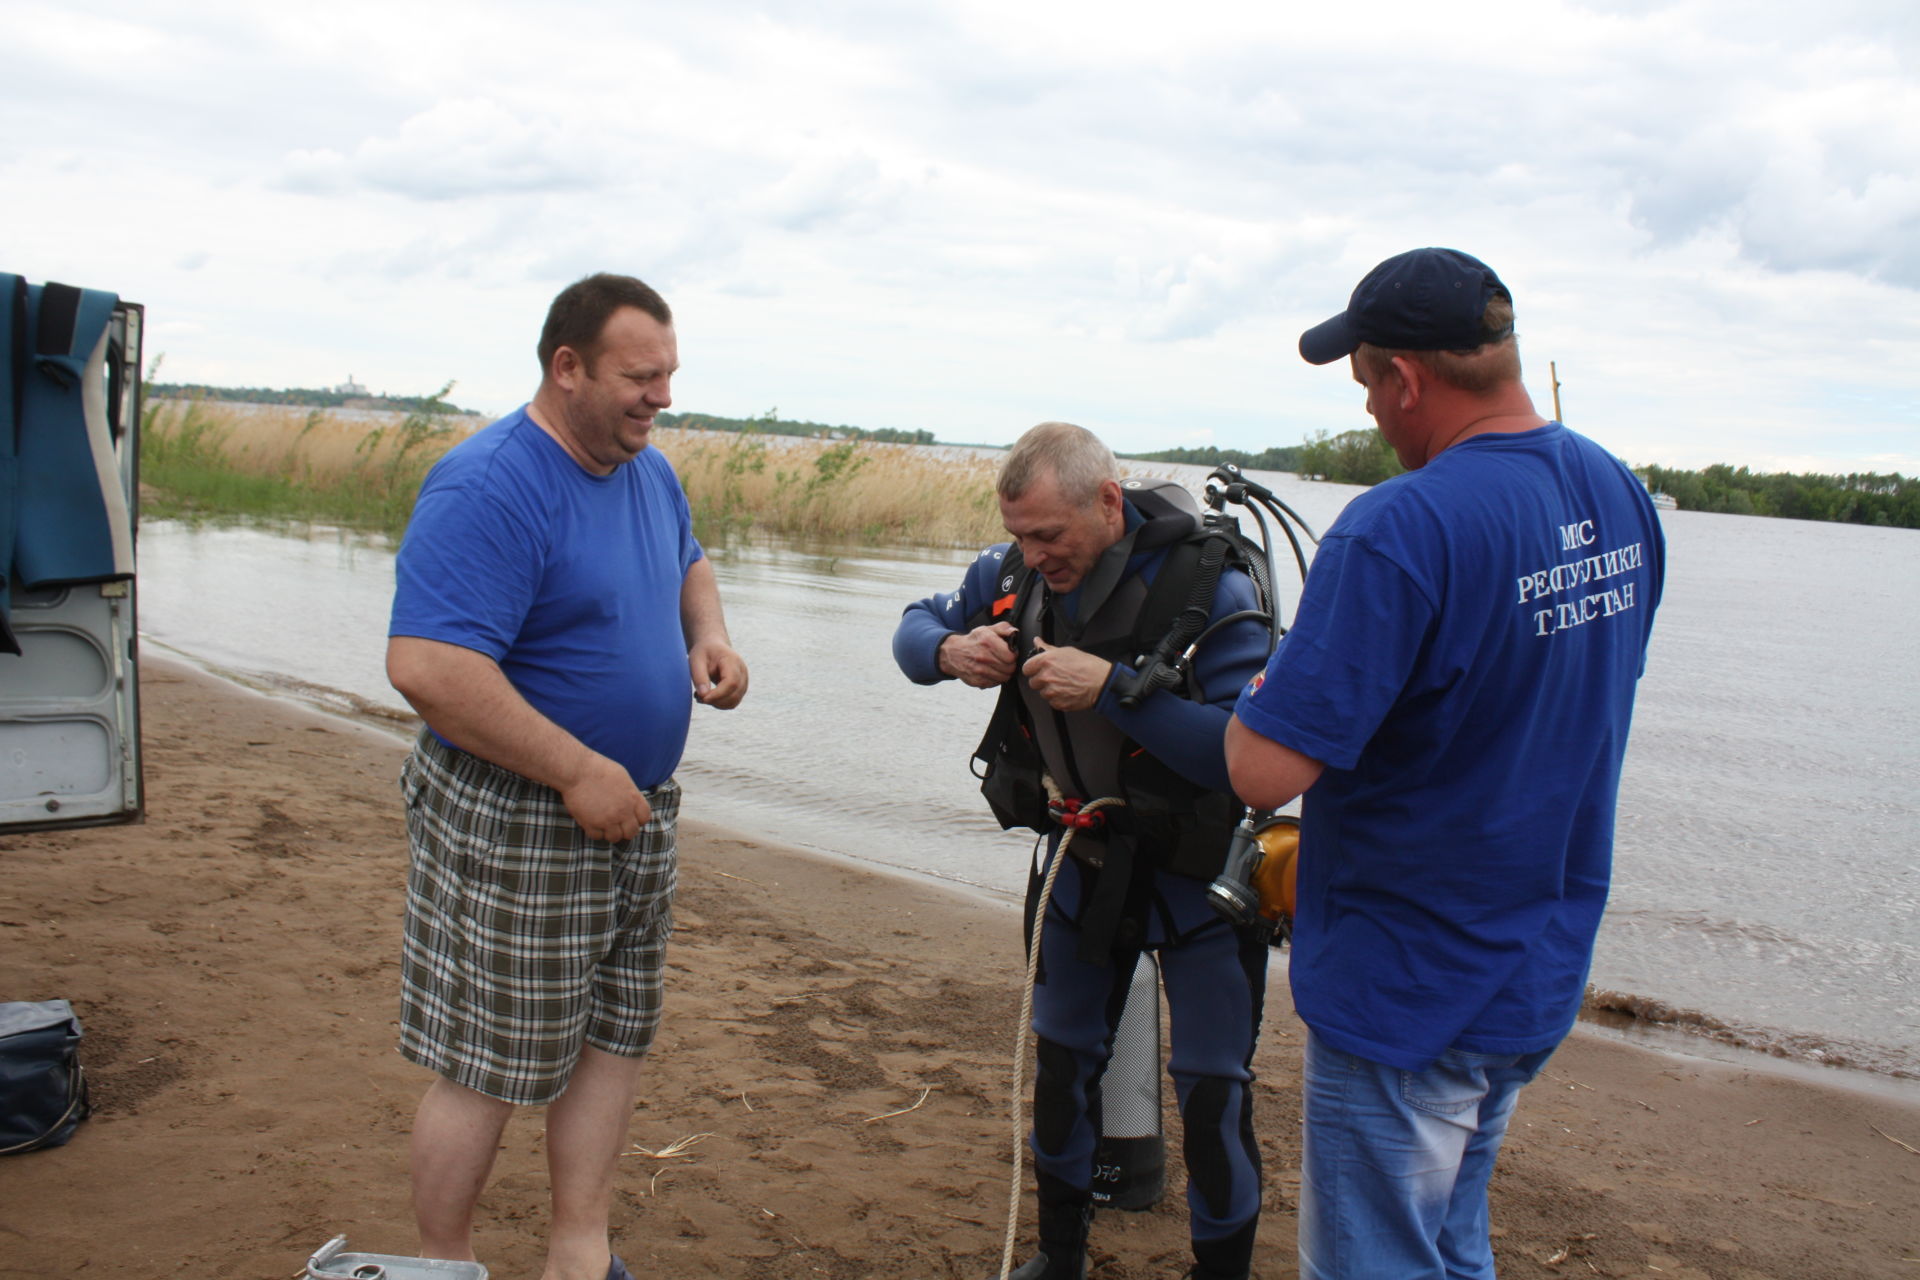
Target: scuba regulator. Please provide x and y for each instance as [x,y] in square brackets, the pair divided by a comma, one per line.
[1256,886]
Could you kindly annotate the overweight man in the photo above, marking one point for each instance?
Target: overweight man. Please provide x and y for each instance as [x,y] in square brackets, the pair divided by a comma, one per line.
[553,621]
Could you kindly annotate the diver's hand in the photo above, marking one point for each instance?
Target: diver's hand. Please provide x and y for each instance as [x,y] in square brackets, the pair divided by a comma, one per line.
[1069,679]
[982,657]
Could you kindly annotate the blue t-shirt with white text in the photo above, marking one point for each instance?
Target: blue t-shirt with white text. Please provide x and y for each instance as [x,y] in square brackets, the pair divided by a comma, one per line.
[1464,663]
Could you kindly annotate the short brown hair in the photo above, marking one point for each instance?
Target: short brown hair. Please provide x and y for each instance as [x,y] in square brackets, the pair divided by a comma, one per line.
[1478,371]
[1076,459]
[580,313]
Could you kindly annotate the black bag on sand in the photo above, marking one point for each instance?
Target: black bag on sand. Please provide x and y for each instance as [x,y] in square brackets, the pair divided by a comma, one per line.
[43,1091]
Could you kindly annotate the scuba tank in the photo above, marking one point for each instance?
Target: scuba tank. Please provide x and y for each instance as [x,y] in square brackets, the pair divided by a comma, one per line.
[1130,1163]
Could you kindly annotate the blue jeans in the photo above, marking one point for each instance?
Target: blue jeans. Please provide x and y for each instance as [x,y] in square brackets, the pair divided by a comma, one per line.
[1395,1163]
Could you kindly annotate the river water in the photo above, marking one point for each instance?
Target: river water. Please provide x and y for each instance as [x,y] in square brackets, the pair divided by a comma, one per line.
[1765,887]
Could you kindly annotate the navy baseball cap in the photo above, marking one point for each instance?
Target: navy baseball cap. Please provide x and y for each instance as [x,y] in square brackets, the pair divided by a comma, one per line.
[1423,300]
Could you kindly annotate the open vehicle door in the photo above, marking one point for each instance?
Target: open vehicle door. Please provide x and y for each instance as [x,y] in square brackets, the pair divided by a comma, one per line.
[69,494]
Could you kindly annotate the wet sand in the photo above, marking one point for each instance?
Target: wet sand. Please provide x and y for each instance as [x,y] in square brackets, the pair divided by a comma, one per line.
[234,960]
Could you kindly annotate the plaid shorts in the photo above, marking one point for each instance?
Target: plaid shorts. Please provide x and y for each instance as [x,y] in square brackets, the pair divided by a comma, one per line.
[524,938]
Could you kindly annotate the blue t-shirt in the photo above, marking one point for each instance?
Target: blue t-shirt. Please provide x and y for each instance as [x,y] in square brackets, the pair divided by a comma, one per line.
[1464,664]
[570,581]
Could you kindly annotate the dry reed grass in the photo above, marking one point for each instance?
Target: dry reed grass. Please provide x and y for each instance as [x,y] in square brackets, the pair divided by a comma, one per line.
[363,467]
[275,463]
[844,489]
[321,445]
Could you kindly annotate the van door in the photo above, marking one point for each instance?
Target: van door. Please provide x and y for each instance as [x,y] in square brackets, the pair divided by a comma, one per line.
[69,497]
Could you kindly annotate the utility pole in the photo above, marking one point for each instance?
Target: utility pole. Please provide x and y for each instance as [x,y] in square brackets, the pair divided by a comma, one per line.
[1554,373]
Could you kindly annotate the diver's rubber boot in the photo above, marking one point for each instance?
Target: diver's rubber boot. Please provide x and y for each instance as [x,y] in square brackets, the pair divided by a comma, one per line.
[1228,1258]
[1041,1266]
[1065,1215]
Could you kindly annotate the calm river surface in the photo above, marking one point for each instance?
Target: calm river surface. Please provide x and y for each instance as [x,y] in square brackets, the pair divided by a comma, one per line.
[1765,873]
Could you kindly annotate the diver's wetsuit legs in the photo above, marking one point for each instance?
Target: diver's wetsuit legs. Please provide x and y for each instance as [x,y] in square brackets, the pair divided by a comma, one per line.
[1076,1008]
[1216,988]
[1216,982]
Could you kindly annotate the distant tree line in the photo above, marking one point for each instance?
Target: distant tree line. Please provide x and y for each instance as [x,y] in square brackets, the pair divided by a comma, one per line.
[1278,458]
[313,397]
[1352,457]
[771,423]
[1363,456]
[1360,456]
[1862,498]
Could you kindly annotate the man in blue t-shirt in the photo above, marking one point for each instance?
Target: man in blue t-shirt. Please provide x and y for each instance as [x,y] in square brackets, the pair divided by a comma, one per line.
[1454,703]
[553,620]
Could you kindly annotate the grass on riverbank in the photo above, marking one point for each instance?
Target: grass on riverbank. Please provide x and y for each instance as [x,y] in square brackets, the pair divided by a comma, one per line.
[362,470]
[284,463]
[848,489]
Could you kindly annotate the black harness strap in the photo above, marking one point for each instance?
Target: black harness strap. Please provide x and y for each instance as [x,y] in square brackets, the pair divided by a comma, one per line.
[13,350]
[1158,669]
[1173,614]
[1006,709]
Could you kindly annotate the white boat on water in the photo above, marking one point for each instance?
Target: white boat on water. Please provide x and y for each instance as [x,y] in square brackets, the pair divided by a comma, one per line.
[1661,501]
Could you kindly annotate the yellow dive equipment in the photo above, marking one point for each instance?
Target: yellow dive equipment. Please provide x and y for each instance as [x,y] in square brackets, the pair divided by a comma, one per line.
[1275,875]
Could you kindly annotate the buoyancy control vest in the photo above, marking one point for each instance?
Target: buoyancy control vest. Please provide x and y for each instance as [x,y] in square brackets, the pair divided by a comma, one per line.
[1172,822]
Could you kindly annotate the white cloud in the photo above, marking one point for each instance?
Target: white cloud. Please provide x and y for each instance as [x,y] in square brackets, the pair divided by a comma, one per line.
[457,148]
[969,215]
[825,190]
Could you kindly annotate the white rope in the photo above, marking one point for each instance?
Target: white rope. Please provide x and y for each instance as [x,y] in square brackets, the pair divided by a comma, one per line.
[1026,1022]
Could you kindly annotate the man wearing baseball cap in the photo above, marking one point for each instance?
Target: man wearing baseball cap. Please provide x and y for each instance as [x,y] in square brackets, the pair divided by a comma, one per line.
[1453,703]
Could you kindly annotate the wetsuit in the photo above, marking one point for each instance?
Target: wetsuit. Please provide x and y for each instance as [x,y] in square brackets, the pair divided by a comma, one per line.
[1215,976]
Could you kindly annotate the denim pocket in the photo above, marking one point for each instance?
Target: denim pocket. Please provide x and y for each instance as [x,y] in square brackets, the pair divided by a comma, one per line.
[1454,1083]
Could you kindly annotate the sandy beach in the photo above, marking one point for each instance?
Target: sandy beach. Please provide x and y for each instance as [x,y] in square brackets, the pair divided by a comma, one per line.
[834,1065]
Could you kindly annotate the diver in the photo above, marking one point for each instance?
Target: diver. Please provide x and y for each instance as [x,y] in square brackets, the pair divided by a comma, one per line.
[1059,620]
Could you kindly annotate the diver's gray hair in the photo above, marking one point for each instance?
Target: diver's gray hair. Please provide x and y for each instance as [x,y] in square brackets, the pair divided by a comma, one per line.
[1072,455]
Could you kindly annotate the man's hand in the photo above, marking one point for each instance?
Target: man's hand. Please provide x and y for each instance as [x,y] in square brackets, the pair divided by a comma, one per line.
[982,657]
[1069,679]
[719,674]
[604,801]
[469,702]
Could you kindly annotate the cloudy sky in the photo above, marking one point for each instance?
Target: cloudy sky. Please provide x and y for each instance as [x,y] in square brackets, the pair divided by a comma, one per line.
[970,215]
